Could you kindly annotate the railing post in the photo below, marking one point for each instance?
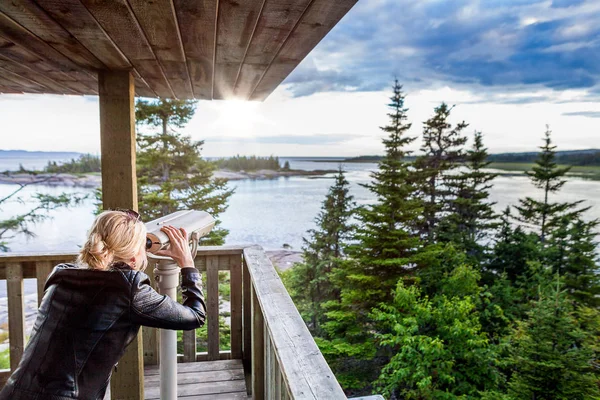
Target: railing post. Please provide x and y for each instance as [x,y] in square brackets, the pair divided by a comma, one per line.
[212,283]
[42,270]
[16,312]
[151,335]
[258,349]
[246,316]
[235,280]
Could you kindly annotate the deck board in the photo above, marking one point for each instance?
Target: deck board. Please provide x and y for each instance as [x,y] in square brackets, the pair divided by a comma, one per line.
[222,379]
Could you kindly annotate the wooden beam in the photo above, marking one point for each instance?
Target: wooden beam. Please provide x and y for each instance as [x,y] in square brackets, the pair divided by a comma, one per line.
[235,27]
[29,15]
[42,270]
[159,23]
[274,26]
[319,18]
[258,348]
[79,22]
[197,24]
[25,71]
[119,189]
[118,20]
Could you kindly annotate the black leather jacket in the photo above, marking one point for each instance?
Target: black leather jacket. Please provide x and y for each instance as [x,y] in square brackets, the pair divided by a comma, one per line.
[85,321]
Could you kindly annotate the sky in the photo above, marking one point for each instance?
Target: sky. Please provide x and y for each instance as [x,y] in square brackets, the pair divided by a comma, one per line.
[509,68]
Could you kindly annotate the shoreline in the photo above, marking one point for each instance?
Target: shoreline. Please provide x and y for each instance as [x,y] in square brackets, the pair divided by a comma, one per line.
[94,180]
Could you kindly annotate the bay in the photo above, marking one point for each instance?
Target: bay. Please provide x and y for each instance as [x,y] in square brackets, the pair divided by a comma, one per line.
[271,213]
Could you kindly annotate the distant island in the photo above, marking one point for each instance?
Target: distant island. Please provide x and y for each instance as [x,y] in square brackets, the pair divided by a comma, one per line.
[84,170]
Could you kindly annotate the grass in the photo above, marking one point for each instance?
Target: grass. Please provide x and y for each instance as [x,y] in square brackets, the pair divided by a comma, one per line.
[587,172]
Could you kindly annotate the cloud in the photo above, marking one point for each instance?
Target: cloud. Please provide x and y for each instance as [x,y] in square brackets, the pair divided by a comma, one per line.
[587,114]
[328,139]
[465,43]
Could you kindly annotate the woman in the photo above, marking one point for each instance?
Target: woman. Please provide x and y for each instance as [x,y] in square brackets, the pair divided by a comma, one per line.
[93,309]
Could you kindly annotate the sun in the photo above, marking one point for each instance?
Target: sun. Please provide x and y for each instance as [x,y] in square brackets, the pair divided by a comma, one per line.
[238,116]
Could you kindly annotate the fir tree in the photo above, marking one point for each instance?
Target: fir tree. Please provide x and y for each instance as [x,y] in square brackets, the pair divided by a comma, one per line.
[471,219]
[551,356]
[571,253]
[549,177]
[171,172]
[442,153]
[382,252]
[309,282]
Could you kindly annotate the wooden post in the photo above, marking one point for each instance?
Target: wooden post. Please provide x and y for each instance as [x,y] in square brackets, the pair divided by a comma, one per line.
[247,315]
[42,270]
[119,190]
[212,283]
[235,279]
[258,349]
[151,336]
[16,312]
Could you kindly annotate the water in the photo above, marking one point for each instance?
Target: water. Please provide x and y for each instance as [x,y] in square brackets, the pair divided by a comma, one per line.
[267,212]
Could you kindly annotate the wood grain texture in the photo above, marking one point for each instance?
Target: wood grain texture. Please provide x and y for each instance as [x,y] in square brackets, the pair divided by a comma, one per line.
[236,23]
[275,24]
[189,346]
[118,20]
[197,24]
[159,23]
[73,16]
[318,19]
[30,16]
[151,336]
[43,269]
[304,369]
[246,315]
[212,314]
[119,190]
[235,279]
[23,69]
[258,348]
[16,313]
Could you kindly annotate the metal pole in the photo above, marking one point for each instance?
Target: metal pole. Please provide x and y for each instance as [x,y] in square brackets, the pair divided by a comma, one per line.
[167,278]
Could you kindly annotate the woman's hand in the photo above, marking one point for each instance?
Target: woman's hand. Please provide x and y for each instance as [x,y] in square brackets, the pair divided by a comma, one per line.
[179,247]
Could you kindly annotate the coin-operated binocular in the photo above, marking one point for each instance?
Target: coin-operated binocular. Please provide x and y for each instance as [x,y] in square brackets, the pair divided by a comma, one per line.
[197,224]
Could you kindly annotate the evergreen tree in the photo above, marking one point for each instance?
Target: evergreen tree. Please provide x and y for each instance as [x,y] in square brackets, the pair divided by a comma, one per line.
[551,356]
[471,219]
[309,282]
[171,172]
[513,251]
[382,252]
[442,153]
[549,177]
[571,253]
[440,351]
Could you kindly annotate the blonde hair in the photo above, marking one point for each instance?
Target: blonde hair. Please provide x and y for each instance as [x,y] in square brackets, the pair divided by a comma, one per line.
[114,236]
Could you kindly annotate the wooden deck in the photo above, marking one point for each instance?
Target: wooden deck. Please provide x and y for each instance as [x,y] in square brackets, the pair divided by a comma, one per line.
[201,380]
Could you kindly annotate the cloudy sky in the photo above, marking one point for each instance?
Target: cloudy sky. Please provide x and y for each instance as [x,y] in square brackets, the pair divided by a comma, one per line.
[509,66]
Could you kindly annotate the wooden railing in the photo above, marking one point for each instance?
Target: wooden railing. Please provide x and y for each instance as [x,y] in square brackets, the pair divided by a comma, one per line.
[280,356]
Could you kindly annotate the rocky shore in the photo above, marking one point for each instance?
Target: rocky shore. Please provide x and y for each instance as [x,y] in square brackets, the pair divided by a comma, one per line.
[94,180]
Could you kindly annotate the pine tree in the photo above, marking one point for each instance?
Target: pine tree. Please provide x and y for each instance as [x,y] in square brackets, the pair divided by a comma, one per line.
[471,219]
[548,176]
[171,172]
[384,244]
[309,282]
[551,356]
[571,253]
[442,153]
[385,240]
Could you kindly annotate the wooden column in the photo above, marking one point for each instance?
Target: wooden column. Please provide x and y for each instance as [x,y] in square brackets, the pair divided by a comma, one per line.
[119,190]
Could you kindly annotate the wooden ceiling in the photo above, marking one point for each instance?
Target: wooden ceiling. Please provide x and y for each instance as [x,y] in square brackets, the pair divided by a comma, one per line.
[202,49]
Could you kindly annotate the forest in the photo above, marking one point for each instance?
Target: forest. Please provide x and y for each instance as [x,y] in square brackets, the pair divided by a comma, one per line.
[428,293]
